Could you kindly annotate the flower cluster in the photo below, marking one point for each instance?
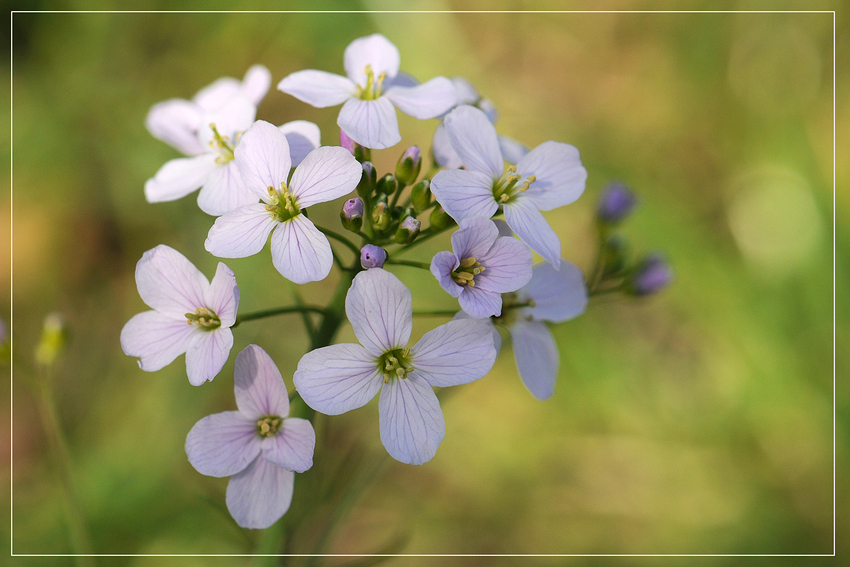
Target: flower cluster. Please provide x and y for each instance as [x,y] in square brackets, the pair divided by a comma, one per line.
[259,181]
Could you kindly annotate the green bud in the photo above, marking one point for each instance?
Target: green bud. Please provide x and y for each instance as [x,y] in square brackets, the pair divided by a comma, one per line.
[440,219]
[387,184]
[380,216]
[420,195]
[351,214]
[367,180]
[408,230]
[408,166]
[54,338]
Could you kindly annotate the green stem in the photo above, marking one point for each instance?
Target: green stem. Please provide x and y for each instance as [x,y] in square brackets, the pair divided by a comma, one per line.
[277,311]
[410,263]
[351,246]
[426,234]
[436,313]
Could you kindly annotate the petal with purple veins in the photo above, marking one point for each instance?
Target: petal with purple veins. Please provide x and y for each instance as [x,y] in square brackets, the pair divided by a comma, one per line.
[560,175]
[411,421]
[380,309]
[293,445]
[169,282]
[223,444]
[300,252]
[260,495]
[156,339]
[240,233]
[325,174]
[370,123]
[464,194]
[259,387]
[536,356]
[317,88]
[529,224]
[474,139]
[337,378]
[457,352]
[207,354]
[428,100]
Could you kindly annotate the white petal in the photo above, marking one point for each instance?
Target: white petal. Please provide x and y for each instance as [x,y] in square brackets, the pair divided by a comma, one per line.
[508,266]
[317,88]
[259,387]
[303,138]
[497,337]
[337,378]
[474,238]
[240,233]
[464,194]
[293,445]
[560,175]
[179,177]
[222,296]
[256,83]
[411,421]
[427,100]
[441,147]
[457,352]
[370,123]
[559,295]
[466,93]
[380,309]
[474,139]
[263,158]
[169,282]
[325,174]
[528,223]
[230,120]
[207,354]
[223,444]
[377,52]
[442,266]
[300,252]
[260,495]
[176,123]
[480,303]
[512,151]
[536,356]
[217,94]
[156,339]
[224,191]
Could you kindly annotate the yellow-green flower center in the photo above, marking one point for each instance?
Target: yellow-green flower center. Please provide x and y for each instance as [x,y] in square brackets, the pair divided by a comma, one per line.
[269,425]
[512,303]
[395,363]
[372,90]
[282,204]
[223,145]
[466,272]
[204,318]
[508,186]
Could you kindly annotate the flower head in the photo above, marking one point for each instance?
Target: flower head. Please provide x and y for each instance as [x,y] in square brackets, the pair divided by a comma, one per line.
[372,256]
[482,266]
[549,176]
[300,252]
[651,276]
[342,377]
[615,203]
[372,87]
[258,446]
[190,315]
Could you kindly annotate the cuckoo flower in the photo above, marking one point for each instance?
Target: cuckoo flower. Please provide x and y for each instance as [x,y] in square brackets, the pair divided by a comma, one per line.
[482,266]
[190,315]
[259,447]
[300,252]
[371,88]
[549,176]
[342,377]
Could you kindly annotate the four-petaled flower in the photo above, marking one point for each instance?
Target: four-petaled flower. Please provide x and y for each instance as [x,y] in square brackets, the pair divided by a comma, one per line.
[372,86]
[300,252]
[339,378]
[482,266]
[258,446]
[190,315]
[549,176]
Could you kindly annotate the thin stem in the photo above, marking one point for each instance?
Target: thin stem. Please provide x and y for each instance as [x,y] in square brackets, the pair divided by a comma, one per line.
[423,236]
[436,313]
[305,315]
[411,263]
[277,311]
[351,246]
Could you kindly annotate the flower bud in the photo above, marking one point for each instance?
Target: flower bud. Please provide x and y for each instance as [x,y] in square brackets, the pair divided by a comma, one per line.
[653,275]
[614,255]
[380,216]
[615,204]
[352,214]
[54,338]
[372,256]
[359,152]
[420,195]
[387,184]
[346,142]
[408,230]
[408,166]
[440,219]
[367,180]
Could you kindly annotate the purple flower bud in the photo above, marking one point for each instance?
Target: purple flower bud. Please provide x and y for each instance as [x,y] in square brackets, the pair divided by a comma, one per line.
[372,256]
[352,214]
[616,203]
[407,168]
[653,275]
[346,142]
[408,230]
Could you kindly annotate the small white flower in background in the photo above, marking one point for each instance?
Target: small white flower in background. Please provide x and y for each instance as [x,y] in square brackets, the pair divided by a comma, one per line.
[547,177]
[339,378]
[372,86]
[190,315]
[258,446]
[482,266]
[300,252]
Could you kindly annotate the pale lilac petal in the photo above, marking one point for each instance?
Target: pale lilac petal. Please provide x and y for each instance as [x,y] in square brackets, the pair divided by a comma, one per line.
[559,295]
[179,177]
[465,92]
[442,266]
[380,310]
[224,191]
[474,139]
[479,302]
[300,252]
[222,296]
[338,378]
[156,339]
[318,88]
[474,237]
[529,224]
[176,123]
[377,52]
[303,138]
[324,175]
[260,495]
[410,419]
[536,356]
[441,147]
[400,80]
[207,354]
[223,444]
[263,158]
[216,94]
[457,352]
[256,83]
[464,194]
[428,100]
[293,445]
[259,387]
[370,123]
[169,282]
[512,151]
[233,118]
[560,175]
[507,266]
[497,337]
[240,233]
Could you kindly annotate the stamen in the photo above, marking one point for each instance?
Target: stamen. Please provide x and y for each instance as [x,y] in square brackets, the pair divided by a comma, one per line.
[269,425]
[205,319]
[467,262]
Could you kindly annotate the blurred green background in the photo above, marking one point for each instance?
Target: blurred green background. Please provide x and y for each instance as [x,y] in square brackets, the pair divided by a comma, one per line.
[696,421]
